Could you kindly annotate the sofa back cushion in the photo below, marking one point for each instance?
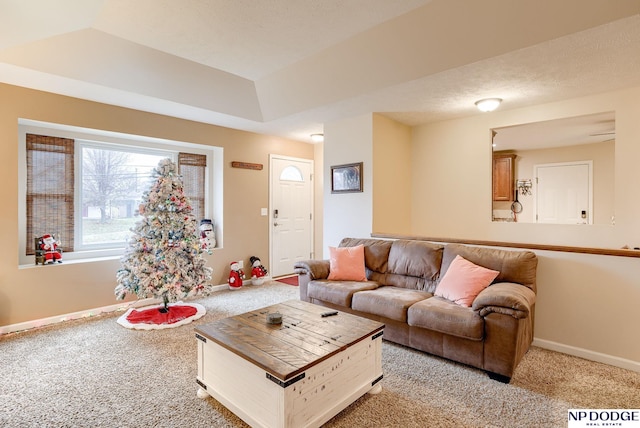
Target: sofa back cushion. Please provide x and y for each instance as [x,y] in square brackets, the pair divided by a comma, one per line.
[414,265]
[514,266]
[376,256]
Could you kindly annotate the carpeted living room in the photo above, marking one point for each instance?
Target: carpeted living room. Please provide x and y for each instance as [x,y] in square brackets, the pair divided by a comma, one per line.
[182,176]
[92,372]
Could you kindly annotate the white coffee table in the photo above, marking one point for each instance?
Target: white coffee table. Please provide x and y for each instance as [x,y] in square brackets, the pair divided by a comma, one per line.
[300,373]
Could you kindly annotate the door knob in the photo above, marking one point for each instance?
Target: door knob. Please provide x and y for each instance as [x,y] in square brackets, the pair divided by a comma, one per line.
[276,223]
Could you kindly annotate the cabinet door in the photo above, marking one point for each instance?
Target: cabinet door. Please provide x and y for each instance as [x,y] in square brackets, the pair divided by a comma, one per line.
[503,173]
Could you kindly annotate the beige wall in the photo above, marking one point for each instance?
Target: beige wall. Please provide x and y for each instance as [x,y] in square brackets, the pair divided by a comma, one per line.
[384,206]
[451,161]
[391,176]
[347,141]
[586,303]
[32,292]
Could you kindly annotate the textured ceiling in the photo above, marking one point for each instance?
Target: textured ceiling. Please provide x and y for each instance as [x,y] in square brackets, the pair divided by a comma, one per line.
[285,67]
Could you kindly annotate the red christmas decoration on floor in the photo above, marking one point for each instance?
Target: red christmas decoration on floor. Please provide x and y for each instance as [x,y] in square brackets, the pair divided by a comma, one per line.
[151,318]
[175,314]
[291,280]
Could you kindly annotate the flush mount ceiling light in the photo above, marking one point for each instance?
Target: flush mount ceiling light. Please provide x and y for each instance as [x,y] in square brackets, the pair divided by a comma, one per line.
[317,138]
[488,104]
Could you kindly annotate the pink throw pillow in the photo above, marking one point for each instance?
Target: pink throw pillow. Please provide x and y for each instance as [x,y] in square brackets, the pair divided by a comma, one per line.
[347,264]
[464,281]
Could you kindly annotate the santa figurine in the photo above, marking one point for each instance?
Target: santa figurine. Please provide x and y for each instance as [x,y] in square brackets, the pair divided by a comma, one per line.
[235,276]
[207,235]
[258,272]
[50,247]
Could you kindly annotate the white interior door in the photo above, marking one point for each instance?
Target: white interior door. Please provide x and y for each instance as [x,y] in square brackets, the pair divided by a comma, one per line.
[564,193]
[291,213]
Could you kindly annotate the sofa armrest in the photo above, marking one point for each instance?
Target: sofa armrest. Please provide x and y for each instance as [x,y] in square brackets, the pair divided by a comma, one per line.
[316,269]
[506,298]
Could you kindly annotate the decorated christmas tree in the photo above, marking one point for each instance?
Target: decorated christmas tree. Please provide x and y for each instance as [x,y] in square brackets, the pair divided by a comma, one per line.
[164,256]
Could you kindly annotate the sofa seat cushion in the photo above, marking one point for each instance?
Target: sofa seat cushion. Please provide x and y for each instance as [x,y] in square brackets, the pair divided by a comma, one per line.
[337,292]
[446,317]
[388,301]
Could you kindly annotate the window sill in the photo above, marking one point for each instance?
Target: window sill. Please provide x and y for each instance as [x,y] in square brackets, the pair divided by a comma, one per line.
[71,262]
[78,258]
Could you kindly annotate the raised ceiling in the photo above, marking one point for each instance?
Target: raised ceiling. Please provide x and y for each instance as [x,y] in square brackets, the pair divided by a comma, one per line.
[567,131]
[285,67]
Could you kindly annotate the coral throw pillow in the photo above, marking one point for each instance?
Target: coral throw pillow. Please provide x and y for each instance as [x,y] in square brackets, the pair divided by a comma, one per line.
[464,281]
[347,264]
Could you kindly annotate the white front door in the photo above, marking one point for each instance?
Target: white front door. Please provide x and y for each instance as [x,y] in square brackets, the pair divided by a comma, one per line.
[564,193]
[291,213]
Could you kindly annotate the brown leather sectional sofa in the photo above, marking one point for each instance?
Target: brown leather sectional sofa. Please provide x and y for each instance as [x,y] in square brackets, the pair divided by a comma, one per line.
[402,275]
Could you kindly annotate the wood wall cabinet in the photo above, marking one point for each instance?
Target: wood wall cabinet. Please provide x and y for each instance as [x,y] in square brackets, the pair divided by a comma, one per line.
[503,177]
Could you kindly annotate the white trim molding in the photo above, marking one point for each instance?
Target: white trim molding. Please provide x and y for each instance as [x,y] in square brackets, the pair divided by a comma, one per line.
[587,354]
[28,325]
[87,313]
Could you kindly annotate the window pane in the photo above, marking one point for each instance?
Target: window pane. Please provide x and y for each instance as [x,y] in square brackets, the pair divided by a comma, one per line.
[112,186]
[291,173]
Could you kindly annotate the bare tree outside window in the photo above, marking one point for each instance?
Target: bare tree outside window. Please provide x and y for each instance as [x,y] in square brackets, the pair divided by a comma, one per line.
[105,179]
[113,182]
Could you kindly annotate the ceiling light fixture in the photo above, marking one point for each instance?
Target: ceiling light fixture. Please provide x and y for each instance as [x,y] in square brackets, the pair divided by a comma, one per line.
[488,104]
[317,138]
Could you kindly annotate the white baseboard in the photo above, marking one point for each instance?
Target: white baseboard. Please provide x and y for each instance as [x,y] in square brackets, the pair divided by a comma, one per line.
[588,355]
[28,325]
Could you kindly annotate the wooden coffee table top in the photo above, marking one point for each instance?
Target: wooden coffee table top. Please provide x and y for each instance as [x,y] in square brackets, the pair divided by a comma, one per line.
[302,340]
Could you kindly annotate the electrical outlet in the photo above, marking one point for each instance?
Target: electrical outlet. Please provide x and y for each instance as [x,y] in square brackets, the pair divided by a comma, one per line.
[241,264]
[263,211]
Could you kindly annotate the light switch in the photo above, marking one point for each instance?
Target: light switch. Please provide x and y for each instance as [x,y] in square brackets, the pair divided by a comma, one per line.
[263,211]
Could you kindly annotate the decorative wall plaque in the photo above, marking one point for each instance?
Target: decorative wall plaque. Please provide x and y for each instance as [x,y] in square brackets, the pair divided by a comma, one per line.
[246,165]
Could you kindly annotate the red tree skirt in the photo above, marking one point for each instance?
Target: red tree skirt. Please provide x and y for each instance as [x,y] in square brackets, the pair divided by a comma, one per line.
[291,280]
[150,318]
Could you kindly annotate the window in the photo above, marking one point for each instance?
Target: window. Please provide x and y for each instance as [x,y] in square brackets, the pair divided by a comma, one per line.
[86,188]
[112,182]
[291,173]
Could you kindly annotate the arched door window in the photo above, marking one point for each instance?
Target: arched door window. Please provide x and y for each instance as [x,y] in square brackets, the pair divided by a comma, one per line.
[291,173]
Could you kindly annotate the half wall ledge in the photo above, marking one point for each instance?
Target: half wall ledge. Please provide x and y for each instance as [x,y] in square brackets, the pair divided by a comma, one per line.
[543,247]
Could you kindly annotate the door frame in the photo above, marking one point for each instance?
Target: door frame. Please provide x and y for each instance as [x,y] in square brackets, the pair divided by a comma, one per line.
[311,196]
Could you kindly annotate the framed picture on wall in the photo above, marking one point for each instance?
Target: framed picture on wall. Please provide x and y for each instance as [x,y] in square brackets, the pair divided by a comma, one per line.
[346,178]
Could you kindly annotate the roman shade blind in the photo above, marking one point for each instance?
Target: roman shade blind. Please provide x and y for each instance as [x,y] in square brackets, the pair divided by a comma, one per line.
[192,167]
[50,190]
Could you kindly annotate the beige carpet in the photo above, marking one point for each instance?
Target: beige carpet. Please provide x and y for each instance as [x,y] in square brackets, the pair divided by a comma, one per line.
[95,373]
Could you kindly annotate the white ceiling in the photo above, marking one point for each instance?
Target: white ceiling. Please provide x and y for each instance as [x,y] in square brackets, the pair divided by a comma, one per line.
[569,131]
[285,67]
